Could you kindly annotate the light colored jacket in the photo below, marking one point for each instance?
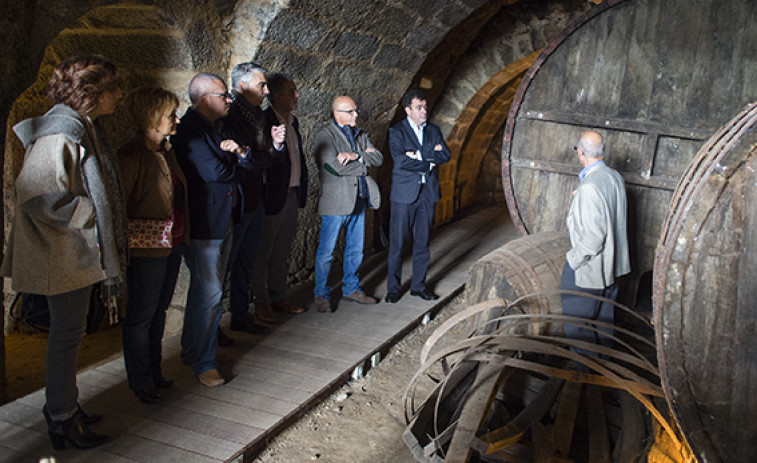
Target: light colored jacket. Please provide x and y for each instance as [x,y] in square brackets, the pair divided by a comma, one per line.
[54,245]
[597,226]
[339,183]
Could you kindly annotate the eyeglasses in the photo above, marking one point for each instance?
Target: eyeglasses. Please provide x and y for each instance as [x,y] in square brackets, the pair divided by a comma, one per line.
[351,111]
[223,95]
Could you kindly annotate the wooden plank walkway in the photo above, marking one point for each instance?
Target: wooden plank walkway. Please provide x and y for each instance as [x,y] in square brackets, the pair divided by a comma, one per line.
[273,378]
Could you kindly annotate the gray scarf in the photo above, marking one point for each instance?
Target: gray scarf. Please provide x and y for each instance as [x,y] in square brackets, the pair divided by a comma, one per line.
[102,177]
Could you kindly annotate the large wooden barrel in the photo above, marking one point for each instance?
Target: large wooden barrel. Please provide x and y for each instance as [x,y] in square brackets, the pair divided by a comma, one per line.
[657,78]
[523,266]
[705,296]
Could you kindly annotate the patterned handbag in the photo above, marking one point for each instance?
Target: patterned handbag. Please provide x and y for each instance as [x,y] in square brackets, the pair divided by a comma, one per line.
[150,233]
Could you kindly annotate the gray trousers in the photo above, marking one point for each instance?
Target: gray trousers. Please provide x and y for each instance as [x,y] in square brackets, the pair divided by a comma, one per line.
[68,320]
[269,274]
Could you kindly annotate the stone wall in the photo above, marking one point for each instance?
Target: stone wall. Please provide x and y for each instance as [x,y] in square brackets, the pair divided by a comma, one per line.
[371,52]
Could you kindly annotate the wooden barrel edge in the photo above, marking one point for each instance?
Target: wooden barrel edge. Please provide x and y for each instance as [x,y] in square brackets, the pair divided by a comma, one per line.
[669,270]
[553,45]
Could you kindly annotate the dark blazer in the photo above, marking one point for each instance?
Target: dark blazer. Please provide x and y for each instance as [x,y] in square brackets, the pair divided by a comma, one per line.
[277,176]
[407,173]
[212,175]
[245,124]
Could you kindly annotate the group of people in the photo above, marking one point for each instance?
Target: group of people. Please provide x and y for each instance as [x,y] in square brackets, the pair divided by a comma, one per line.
[221,186]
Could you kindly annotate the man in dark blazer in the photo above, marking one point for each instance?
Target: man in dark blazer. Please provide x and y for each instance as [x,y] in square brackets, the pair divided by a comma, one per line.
[213,167]
[245,123]
[286,185]
[417,149]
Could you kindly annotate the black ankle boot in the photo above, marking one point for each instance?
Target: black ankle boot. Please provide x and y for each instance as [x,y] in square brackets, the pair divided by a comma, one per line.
[87,418]
[74,431]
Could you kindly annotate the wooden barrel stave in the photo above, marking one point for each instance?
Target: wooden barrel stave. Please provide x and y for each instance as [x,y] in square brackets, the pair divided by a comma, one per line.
[523,266]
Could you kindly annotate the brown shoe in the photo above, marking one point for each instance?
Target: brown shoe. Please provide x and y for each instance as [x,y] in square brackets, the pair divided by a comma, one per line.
[360,297]
[322,304]
[210,378]
[264,312]
[284,305]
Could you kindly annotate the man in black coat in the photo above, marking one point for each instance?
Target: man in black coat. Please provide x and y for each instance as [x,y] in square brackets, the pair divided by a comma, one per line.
[285,192]
[213,167]
[246,124]
[417,149]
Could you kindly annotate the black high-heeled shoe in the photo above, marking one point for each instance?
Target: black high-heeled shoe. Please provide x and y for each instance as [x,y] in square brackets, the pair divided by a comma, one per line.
[86,417]
[74,431]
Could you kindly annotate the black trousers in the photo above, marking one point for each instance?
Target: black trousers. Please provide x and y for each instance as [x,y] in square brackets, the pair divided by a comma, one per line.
[404,218]
[587,308]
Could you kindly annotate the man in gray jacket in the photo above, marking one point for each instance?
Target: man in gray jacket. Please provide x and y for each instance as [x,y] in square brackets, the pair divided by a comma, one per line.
[344,154]
[599,242]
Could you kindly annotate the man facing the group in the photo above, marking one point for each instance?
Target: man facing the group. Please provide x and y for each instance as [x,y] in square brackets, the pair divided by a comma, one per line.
[598,255]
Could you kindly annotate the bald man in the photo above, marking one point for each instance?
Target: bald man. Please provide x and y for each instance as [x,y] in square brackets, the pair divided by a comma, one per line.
[599,242]
[344,154]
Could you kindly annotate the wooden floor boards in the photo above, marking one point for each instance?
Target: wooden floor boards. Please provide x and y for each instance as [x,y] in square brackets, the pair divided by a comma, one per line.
[273,378]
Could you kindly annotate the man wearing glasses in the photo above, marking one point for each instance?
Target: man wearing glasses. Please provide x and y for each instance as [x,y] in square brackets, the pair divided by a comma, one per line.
[344,154]
[213,167]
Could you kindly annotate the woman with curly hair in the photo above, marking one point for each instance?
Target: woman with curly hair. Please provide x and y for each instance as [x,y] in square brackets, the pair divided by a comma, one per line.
[155,193]
[69,229]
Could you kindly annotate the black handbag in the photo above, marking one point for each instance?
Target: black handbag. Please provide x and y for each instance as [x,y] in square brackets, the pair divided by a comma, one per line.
[32,310]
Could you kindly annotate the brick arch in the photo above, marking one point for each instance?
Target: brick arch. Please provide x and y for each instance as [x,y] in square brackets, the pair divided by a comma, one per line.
[516,32]
[472,135]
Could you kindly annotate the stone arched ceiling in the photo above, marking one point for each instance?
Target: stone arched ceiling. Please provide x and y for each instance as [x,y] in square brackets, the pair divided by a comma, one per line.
[476,97]
[372,49]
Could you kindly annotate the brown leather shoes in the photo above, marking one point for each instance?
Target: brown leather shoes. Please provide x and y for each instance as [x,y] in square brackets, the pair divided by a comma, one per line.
[284,305]
[322,304]
[210,378]
[264,312]
[360,297]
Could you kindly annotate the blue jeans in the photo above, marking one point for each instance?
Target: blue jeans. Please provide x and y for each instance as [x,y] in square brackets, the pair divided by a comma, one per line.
[207,261]
[244,251]
[353,250]
[151,282]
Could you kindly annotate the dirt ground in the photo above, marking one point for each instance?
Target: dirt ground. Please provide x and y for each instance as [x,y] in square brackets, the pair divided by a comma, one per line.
[25,356]
[363,421]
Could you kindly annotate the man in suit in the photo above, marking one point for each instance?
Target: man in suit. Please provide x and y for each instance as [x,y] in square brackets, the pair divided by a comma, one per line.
[599,242]
[213,167]
[286,187]
[344,154]
[245,124]
[417,150]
